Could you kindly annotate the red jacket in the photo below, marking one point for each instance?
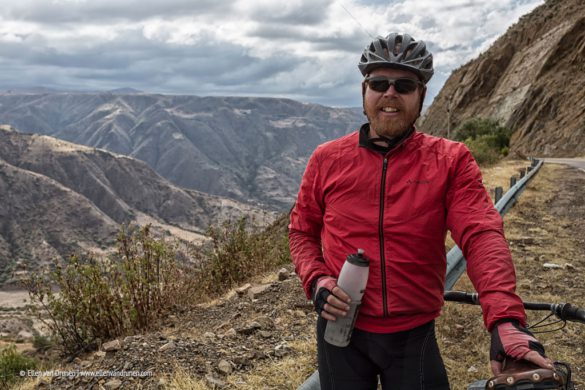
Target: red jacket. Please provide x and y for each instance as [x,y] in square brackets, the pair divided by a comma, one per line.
[398,208]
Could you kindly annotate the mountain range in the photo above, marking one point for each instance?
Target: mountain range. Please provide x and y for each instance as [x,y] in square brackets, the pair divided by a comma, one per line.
[249,149]
[60,198]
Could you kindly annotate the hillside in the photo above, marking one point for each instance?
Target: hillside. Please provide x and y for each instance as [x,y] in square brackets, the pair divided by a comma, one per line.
[250,149]
[58,198]
[262,336]
[531,79]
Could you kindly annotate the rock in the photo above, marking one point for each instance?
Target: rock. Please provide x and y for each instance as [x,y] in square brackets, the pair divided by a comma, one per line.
[231,333]
[23,334]
[281,350]
[225,367]
[265,322]
[250,327]
[112,346]
[472,369]
[283,274]
[551,266]
[242,361]
[256,291]
[265,334]
[242,290]
[209,335]
[113,384]
[167,347]
[127,366]
[299,314]
[569,266]
[214,382]
[99,354]
[128,339]
[162,383]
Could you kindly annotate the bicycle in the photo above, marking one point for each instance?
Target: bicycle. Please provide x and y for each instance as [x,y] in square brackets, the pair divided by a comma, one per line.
[524,375]
[516,375]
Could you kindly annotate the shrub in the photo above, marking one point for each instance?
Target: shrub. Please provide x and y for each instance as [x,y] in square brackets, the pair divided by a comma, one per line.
[101,300]
[11,363]
[136,287]
[487,140]
[237,252]
[42,343]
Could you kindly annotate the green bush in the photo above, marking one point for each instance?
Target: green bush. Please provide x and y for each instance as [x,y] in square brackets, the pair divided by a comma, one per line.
[134,289]
[237,252]
[42,343]
[101,300]
[487,140]
[11,364]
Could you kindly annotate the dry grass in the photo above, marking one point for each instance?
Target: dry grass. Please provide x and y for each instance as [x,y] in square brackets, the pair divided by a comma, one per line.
[282,374]
[462,337]
[278,374]
[27,384]
[182,380]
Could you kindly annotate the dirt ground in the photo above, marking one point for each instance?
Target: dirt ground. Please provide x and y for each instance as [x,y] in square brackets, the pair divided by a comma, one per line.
[545,226]
[266,340]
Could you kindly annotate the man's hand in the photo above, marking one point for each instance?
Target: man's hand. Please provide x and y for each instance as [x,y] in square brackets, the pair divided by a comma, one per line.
[512,340]
[329,299]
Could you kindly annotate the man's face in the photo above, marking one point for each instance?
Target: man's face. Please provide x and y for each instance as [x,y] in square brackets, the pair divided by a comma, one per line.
[390,113]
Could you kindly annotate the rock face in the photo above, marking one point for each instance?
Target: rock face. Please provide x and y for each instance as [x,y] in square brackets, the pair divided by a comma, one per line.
[531,79]
[248,149]
[58,198]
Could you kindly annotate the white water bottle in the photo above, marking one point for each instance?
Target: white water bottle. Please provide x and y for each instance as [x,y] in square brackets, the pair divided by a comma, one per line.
[352,279]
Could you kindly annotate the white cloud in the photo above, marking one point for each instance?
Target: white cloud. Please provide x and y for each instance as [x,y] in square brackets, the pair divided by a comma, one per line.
[304,49]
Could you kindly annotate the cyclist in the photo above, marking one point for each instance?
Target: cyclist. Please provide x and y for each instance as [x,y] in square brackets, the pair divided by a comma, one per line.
[394,191]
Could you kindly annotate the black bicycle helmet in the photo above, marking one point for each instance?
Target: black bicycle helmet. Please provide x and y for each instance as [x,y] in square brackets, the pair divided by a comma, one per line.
[399,51]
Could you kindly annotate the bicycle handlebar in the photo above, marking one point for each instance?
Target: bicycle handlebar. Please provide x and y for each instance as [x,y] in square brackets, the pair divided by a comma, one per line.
[564,311]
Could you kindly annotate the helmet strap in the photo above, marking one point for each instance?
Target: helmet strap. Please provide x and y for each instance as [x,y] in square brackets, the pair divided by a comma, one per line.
[422,100]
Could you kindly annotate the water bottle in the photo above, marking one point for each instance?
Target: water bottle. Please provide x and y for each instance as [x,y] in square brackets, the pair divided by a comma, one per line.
[352,279]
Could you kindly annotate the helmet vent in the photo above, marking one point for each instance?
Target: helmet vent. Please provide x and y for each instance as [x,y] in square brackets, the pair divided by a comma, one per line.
[397,45]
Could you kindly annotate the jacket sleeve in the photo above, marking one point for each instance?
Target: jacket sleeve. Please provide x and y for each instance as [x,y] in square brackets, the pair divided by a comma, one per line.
[477,228]
[306,221]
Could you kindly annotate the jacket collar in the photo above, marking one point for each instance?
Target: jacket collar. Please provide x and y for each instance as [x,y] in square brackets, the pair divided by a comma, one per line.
[364,140]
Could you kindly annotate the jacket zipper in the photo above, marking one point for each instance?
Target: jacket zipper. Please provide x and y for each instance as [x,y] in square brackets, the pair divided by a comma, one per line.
[381,235]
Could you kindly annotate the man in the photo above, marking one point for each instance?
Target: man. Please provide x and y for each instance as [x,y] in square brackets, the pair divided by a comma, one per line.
[395,192]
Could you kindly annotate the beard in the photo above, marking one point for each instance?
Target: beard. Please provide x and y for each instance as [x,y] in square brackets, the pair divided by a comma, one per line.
[390,127]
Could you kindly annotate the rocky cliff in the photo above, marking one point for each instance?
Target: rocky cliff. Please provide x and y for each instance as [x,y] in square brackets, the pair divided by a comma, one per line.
[58,198]
[531,79]
[250,149]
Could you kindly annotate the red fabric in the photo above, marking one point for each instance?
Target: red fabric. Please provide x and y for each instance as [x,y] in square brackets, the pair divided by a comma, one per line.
[431,185]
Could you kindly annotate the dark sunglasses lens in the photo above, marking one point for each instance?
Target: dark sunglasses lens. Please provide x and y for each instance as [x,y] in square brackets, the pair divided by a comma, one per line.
[405,85]
[379,85]
[401,85]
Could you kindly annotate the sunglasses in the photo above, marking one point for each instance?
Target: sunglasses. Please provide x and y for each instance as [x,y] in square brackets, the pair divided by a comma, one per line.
[401,85]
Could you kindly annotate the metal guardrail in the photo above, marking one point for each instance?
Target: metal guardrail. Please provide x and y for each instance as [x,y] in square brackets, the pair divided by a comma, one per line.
[456,263]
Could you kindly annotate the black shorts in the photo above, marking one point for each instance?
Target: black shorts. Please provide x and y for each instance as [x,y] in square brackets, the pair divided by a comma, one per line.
[408,360]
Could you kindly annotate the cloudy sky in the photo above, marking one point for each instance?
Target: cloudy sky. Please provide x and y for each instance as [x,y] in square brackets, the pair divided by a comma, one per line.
[302,49]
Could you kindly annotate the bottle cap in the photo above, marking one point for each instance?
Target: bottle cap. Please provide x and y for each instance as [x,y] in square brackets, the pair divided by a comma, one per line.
[358,259]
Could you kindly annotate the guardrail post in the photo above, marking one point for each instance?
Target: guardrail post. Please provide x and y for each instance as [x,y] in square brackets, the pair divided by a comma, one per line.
[499,194]
[528,169]
[513,181]
[522,173]
[534,162]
